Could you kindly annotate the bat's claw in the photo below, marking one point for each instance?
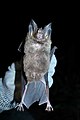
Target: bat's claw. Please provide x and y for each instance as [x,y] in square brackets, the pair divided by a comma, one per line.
[49,107]
[20,107]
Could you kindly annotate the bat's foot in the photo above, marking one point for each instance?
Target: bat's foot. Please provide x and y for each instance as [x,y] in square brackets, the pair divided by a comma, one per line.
[49,107]
[20,107]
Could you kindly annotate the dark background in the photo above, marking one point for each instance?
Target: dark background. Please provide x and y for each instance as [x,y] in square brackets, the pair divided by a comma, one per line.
[65,93]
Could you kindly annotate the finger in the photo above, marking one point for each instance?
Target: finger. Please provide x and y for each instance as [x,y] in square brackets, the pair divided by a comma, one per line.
[52,109]
[19,108]
[22,109]
[47,109]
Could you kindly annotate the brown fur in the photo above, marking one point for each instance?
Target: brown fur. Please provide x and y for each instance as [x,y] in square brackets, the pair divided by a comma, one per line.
[36,59]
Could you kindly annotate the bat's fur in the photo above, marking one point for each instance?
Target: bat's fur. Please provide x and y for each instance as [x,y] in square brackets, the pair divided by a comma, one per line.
[37,57]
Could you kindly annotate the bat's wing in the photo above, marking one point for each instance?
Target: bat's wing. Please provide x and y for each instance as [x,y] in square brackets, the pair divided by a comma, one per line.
[51,69]
[7,88]
[9,78]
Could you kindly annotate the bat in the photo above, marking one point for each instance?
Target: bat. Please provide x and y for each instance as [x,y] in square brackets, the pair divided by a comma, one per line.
[39,64]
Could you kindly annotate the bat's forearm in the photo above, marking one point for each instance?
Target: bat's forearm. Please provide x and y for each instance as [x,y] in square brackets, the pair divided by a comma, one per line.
[47,92]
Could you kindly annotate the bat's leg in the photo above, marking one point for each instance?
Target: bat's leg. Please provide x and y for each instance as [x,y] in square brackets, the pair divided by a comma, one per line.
[20,106]
[49,106]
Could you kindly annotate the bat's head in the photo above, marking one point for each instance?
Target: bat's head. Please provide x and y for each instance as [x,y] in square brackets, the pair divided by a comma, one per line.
[38,33]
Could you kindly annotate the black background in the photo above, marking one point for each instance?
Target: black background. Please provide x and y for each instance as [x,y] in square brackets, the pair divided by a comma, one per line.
[64,94]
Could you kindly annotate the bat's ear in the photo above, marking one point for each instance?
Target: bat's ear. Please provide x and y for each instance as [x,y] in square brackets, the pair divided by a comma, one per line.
[47,31]
[32,27]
